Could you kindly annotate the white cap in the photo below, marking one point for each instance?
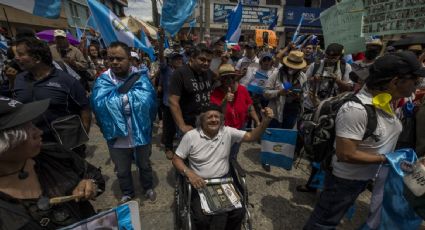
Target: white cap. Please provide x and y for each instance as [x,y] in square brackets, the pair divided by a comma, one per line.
[59,33]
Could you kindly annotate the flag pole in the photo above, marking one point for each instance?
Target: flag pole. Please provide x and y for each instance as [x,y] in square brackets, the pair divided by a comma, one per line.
[7,21]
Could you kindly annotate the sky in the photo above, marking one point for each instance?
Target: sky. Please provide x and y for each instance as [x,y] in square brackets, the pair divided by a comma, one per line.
[141,9]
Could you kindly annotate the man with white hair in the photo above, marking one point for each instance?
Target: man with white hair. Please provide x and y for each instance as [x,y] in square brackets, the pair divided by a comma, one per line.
[207,149]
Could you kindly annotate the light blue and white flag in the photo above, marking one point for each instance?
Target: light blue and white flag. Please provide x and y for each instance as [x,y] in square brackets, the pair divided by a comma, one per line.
[43,8]
[234,24]
[278,147]
[273,23]
[257,85]
[145,41]
[91,23]
[3,44]
[175,13]
[112,29]
[297,31]
[79,33]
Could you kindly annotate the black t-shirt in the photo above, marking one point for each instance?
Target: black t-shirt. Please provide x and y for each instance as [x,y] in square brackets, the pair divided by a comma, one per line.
[194,91]
[67,96]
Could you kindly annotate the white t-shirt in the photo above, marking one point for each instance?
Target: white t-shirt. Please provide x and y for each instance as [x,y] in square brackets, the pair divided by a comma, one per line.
[209,158]
[351,123]
[244,62]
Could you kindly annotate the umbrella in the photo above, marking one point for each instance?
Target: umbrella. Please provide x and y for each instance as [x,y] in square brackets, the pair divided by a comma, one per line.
[47,35]
[411,40]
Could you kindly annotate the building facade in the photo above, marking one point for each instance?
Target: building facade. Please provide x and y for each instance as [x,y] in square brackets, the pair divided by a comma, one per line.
[311,10]
[211,18]
[78,12]
[73,13]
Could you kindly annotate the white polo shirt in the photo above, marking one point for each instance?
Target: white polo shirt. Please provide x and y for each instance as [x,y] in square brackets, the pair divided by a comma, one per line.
[209,158]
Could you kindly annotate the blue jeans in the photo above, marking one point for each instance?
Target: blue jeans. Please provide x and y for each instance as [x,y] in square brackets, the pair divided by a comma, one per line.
[335,200]
[123,158]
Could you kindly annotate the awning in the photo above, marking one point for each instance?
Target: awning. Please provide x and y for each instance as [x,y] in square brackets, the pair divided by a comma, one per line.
[135,25]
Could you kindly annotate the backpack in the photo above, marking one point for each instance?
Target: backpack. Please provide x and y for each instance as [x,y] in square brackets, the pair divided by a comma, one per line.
[318,128]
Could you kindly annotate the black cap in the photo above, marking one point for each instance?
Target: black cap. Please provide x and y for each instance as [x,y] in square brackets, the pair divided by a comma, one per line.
[14,113]
[399,63]
[211,107]
[175,55]
[334,49]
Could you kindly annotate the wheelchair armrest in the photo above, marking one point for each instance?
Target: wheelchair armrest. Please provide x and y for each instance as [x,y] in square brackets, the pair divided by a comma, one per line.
[234,163]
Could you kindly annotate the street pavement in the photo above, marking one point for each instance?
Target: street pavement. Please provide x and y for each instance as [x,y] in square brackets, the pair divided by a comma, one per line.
[273,200]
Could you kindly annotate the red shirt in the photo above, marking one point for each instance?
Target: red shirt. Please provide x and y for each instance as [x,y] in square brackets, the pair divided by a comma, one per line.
[237,110]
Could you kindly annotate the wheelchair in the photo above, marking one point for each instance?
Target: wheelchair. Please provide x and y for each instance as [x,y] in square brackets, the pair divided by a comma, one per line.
[183,194]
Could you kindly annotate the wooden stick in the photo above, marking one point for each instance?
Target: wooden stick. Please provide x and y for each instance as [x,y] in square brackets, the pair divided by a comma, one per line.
[62,199]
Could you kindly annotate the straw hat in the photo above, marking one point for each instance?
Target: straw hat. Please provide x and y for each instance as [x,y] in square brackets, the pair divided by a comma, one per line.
[295,60]
[226,70]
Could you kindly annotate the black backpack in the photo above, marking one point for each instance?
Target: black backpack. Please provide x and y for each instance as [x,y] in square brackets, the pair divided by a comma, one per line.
[318,129]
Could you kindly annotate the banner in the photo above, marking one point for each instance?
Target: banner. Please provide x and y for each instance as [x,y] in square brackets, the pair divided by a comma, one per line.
[278,147]
[393,17]
[293,14]
[250,14]
[342,24]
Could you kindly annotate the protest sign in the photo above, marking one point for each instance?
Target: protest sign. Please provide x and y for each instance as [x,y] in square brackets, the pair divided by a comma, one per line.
[342,24]
[387,17]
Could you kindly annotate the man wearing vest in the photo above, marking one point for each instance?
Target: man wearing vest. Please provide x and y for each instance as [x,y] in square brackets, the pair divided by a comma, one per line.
[358,161]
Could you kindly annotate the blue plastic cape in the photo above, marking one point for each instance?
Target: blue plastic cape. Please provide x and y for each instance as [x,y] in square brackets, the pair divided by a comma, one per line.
[396,212]
[108,107]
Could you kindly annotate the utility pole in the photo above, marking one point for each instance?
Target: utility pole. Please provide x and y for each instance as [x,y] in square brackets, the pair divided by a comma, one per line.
[207,17]
[155,15]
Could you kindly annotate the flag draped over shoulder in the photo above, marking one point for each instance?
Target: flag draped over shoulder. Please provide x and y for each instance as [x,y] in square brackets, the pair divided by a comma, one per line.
[175,13]
[43,8]
[234,24]
[112,29]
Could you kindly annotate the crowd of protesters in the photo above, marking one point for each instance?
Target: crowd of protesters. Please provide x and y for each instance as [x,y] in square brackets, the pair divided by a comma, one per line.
[194,90]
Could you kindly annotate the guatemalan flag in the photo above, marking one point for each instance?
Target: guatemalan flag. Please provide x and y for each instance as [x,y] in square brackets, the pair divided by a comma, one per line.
[43,8]
[234,24]
[278,147]
[145,41]
[112,29]
[175,13]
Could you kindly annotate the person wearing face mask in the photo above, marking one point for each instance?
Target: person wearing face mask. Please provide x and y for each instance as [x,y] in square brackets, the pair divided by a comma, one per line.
[284,91]
[327,77]
[373,50]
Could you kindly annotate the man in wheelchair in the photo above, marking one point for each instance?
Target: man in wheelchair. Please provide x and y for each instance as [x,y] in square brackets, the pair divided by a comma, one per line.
[207,150]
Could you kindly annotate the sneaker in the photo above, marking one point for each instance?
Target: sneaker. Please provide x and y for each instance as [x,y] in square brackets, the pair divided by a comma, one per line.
[151,195]
[125,199]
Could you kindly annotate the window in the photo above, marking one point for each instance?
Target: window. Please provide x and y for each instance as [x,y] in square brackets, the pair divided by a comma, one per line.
[74,12]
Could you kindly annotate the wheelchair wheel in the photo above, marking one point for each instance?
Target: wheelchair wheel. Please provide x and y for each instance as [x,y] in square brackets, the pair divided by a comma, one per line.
[182,215]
